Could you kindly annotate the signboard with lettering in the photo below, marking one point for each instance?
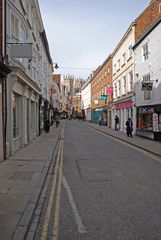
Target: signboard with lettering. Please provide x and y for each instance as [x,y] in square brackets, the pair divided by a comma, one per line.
[147,86]
[155,122]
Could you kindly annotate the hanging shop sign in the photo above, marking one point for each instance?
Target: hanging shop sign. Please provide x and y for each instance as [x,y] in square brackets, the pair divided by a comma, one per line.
[103,97]
[110,90]
[155,122]
[147,86]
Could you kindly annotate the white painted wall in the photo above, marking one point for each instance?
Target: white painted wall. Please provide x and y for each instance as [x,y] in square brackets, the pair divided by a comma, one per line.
[151,66]
[86,100]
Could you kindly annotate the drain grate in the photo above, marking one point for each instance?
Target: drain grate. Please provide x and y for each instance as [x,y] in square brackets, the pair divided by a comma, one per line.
[22,176]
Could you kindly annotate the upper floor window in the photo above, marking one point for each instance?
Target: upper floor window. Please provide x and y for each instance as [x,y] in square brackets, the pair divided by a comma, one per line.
[114,68]
[123,58]
[130,80]
[130,51]
[108,70]
[118,64]
[14,26]
[124,84]
[119,88]
[147,94]
[145,52]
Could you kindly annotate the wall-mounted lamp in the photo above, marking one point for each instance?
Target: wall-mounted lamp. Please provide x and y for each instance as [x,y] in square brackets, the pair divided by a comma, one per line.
[137,75]
[56,66]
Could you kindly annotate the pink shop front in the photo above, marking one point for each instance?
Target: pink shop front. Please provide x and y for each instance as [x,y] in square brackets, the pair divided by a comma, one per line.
[123,110]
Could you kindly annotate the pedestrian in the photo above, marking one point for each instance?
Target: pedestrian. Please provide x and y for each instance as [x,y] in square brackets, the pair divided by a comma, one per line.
[116,122]
[47,126]
[99,120]
[129,127]
[57,120]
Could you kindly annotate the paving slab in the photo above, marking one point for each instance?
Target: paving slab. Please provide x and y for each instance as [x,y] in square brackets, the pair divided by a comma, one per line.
[22,177]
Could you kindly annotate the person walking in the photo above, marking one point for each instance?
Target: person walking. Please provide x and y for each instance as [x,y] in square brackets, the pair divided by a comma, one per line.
[129,127]
[116,122]
[99,120]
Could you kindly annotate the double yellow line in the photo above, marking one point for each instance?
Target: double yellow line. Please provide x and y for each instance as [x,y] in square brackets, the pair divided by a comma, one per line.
[55,193]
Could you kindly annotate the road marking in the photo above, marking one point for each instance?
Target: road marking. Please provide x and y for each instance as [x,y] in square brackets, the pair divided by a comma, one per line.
[57,205]
[81,227]
[51,198]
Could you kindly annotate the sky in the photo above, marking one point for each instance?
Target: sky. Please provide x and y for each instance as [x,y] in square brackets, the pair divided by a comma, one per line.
[82,33]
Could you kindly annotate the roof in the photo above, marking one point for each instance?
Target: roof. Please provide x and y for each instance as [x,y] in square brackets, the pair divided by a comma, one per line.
[150,29]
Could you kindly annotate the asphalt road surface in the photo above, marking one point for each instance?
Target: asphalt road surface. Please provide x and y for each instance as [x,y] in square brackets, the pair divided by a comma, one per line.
[105,190]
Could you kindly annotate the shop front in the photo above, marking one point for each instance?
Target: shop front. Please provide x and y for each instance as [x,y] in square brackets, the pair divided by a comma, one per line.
[123,110]
[149,122]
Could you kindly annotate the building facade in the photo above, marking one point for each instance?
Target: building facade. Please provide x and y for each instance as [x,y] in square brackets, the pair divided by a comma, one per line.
[28,86]
[101,92]
[123,80]
[148,83]
[86,100]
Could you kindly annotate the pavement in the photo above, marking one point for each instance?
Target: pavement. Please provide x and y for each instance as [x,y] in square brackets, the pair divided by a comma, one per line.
[151,146]
[23,176]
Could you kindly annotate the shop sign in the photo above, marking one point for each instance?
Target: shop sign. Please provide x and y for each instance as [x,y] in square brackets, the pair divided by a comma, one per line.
[103,97]
[146,110]
[147,86]
[155,122]
[110,90]
[124,104]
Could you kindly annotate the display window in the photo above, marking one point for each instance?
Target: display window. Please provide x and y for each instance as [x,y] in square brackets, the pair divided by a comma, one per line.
[145,118]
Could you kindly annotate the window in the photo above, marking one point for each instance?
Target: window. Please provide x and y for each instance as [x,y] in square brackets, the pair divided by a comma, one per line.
[115,90]
[14,26]
[108,70]
[124,84]
[123,58]
[114,68]
[22,34]
[145,52]
[119,88]
[147,94]
[105,73]
[118,64]
[130,51]
[15,111]
[160,8]
[130,80]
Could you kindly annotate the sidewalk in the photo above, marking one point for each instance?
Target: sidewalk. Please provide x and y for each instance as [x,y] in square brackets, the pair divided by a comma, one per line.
[149,145]
[21,180]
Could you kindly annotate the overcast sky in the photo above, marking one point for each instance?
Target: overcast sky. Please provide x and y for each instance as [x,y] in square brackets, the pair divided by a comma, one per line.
[81,34]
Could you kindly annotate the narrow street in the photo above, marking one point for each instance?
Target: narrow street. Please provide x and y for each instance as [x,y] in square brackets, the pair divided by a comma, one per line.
[100,189]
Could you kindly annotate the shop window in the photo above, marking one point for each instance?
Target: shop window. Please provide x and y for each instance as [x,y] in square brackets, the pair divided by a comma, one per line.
[145,120]
[15,111]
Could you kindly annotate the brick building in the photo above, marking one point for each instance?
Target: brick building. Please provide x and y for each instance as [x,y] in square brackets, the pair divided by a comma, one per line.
[101,95]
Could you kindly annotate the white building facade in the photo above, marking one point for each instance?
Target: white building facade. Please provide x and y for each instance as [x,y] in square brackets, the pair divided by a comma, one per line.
[86,100]
[31,73]
[123,80]
[148,83]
